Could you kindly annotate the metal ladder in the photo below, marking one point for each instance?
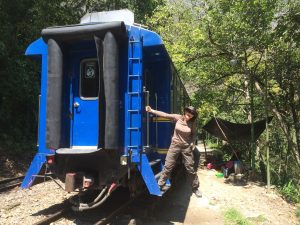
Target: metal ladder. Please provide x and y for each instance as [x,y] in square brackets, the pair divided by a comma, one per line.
[134,115]
[134,92]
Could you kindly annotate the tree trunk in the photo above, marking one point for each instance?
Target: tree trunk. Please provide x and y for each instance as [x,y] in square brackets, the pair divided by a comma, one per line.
[295,118]
[284,126]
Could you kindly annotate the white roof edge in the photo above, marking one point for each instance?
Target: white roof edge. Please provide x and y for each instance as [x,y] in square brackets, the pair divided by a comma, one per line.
[124,15]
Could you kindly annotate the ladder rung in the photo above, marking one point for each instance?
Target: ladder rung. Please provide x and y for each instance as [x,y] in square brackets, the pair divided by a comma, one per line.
[133,110]
[136,75]
[134,41]
[133,146]
[134,58]
[133,128]
[155,162]
[133,93]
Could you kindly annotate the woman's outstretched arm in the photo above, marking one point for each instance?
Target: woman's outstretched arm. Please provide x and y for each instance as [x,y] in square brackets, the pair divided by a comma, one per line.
[163,114]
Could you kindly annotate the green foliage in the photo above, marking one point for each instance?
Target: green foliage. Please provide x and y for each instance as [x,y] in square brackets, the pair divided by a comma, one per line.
[258,220]
[234,217]
[220,47]
[212,142]
[212,145]
[291,192]
[205,39]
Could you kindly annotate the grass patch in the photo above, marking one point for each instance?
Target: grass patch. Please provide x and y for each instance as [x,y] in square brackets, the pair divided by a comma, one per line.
[258,220]
[298,212]
[291,192]
[234,217]
[212,145]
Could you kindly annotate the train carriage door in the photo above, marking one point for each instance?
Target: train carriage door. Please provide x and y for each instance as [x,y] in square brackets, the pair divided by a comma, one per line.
[85,88]
[149,99]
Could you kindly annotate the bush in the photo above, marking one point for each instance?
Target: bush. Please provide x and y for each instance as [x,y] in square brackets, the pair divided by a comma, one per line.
[211,144]
[291,192]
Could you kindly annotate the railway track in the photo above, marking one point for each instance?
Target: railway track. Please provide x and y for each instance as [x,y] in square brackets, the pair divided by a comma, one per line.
[100,216]
[10,183]
[60,213]
[115,213]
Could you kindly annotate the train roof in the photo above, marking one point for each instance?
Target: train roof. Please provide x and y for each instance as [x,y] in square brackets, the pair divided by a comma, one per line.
[89,30]
[70,33]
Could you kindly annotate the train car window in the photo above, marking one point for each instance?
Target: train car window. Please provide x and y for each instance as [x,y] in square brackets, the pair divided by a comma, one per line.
[89,79]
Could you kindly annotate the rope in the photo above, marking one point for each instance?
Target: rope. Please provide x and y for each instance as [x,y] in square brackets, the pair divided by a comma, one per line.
[227,139]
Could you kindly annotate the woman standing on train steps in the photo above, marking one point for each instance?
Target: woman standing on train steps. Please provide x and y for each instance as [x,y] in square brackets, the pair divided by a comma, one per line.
[182,142]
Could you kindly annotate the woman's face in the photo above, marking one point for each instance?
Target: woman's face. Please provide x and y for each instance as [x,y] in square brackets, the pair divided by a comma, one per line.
[188,116]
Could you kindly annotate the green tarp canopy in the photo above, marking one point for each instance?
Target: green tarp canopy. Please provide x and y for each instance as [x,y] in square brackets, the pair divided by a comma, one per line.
[234,132]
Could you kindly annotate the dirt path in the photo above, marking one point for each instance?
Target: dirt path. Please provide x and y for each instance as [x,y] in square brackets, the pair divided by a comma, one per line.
[178,206]
[253,201]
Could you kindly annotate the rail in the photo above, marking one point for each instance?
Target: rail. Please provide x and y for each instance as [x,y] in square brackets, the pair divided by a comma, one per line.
[10,183]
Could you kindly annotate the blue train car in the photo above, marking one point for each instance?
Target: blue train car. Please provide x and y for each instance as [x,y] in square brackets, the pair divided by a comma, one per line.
[94,133]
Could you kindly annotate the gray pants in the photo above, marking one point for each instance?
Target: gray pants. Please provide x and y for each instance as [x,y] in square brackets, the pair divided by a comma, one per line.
[188,161]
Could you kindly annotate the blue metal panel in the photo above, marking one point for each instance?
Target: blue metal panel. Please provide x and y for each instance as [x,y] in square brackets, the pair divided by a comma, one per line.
[148,176]
[39,48]
[85,123]
[150,38]
[85,118]
[34,169]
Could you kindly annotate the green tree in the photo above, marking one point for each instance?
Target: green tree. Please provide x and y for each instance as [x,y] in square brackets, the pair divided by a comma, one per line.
[222,47]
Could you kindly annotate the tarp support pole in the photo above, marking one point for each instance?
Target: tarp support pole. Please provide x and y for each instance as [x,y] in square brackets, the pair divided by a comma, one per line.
[204,148]
[253,147]
[267,128]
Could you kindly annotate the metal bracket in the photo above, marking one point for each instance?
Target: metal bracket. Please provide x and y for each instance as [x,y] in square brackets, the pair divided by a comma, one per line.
[147,149]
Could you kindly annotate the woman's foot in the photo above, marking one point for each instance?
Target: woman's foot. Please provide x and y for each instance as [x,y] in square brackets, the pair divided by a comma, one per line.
[164,187]
[198,193]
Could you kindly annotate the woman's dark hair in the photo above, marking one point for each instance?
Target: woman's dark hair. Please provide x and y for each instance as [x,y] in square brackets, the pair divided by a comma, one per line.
[193,111]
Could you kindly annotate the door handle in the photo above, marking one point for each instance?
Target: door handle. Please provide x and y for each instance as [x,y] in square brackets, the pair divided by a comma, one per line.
[76,105]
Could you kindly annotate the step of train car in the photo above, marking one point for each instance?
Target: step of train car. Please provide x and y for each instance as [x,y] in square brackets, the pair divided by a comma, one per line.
[155,162]
[156,165]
